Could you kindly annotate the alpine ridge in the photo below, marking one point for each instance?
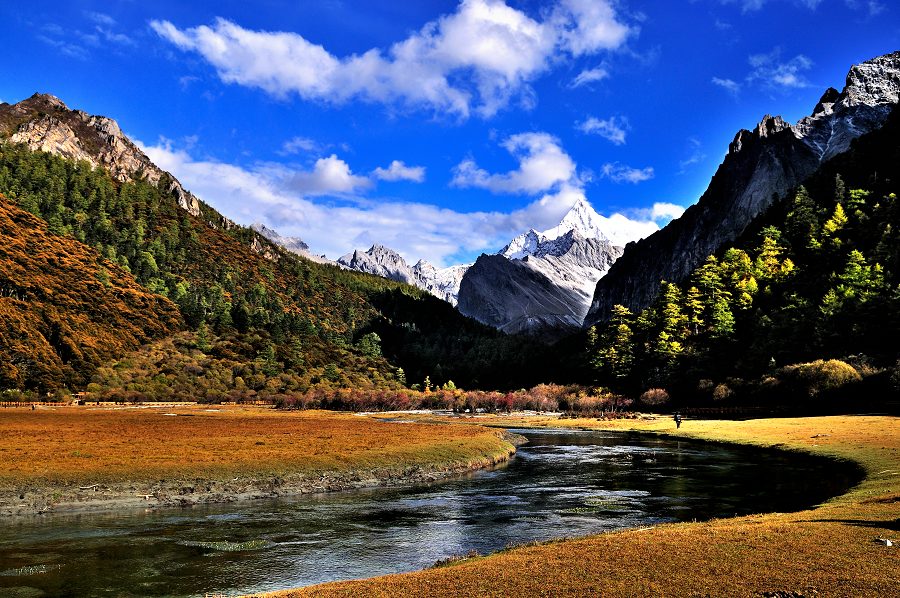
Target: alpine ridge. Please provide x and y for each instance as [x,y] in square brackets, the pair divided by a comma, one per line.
[761,166]
[382,261]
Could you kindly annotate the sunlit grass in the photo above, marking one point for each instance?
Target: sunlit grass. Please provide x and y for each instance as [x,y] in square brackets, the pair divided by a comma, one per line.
[72,446]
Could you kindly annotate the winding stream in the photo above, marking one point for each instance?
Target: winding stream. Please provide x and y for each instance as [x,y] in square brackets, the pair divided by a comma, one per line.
[561,484]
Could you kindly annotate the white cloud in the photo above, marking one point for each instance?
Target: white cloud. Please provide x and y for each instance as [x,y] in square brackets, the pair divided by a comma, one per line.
[587,26]
[479,57]
[771,71]
[872,7]
[613,128]
[728,85]
[398,171]
[100,18]
[329,175]
[590,76]
[620,173]
[295,145]
[666,211]
[416,230]
[543,165]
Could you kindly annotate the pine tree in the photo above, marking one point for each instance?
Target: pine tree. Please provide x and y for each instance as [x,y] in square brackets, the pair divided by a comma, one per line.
[612,352]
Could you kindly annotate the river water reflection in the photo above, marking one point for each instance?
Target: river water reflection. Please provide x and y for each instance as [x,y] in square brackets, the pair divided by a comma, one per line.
[561,484]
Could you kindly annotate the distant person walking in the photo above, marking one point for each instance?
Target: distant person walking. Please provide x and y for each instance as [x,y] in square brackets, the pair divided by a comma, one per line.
[677,420]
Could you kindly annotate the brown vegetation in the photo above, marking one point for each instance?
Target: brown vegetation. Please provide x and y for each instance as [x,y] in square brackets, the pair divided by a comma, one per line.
[63,308]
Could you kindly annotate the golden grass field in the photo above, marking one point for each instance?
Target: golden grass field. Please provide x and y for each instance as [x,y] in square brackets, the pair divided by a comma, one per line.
[830,550]
[59,447]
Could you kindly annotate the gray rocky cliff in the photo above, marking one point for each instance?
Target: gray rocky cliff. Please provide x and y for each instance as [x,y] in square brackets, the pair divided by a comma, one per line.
[761,167]
[44,123]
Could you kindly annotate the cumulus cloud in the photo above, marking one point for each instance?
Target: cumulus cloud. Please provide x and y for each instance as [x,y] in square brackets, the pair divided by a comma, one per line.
[329,175]
[543,165]
[728,85]
[590,76]
[666,211]
[620,173]
[613,128]
[399,171]
[415,229]
[771,71]
[478,57]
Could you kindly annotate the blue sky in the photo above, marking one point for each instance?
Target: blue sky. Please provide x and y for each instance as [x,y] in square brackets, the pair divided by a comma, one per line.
[439,128]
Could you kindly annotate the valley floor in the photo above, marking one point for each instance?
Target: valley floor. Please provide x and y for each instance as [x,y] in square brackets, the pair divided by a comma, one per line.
[71,459]
[831,550]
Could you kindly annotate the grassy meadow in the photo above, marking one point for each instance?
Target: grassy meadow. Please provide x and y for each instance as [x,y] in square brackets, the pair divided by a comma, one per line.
[61,451]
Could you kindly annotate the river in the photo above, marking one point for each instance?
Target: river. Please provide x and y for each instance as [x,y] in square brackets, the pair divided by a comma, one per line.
[560,484]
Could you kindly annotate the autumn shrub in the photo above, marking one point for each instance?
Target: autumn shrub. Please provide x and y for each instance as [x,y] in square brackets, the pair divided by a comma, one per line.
[654,397]
[818,377]
[546,397]
[722,392]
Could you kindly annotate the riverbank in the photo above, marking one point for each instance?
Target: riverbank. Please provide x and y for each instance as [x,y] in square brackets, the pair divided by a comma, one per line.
[831,550]
[85,459]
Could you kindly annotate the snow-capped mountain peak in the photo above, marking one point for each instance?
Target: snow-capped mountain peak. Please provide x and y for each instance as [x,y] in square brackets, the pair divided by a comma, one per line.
[584,219]
[387,263]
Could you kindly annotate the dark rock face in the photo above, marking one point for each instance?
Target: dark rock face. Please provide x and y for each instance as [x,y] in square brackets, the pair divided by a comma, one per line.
[511,296]
[545,294]
[761,167]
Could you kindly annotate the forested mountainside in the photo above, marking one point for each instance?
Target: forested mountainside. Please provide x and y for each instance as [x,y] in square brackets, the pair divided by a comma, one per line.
[761,168]
[815,278]
[303,323]
[64,308]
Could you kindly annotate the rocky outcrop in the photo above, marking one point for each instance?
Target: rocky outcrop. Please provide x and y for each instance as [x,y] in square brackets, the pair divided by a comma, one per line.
[380,261]
[761,167]
[387,263]
[292,244]
[44,123]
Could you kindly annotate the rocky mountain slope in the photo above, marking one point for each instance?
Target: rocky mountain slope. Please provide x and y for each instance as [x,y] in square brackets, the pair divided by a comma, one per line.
[761,166]
[44,123]
[541,282]
[292,244]
[387,263]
